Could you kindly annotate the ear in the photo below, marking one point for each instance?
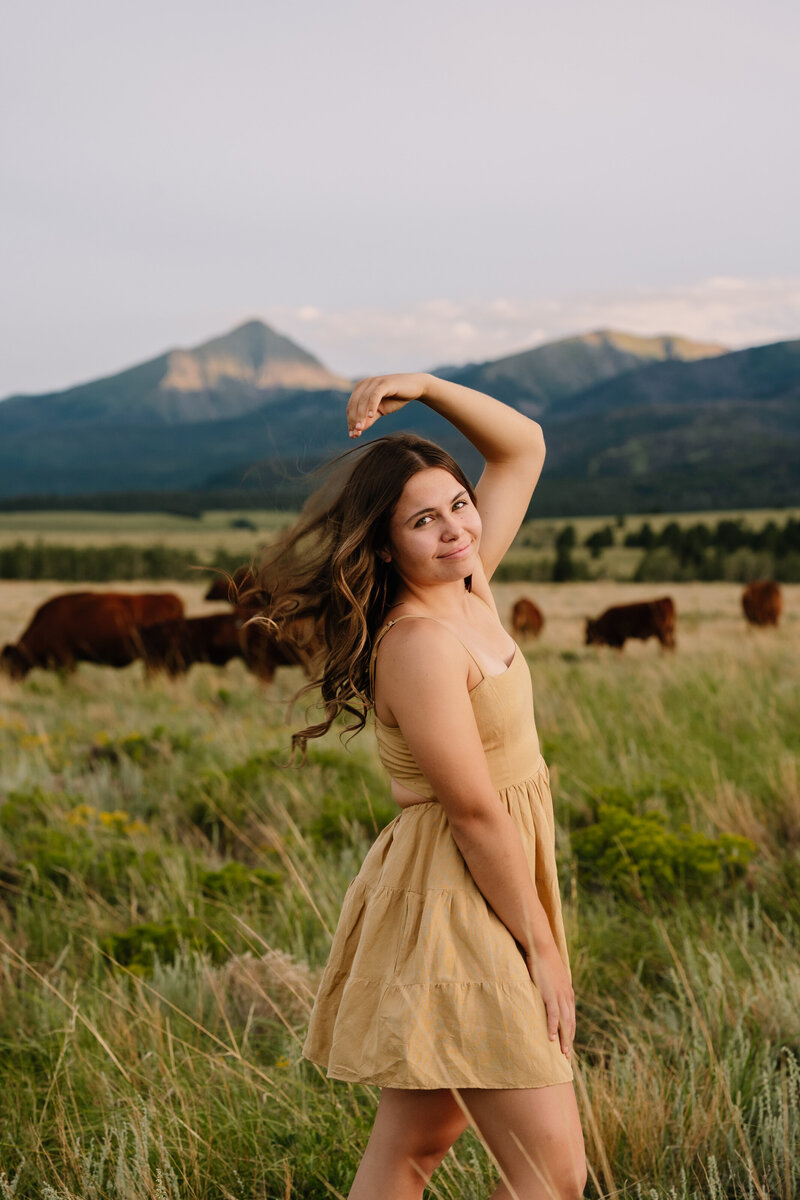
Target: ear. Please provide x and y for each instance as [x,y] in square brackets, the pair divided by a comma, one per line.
[385,555]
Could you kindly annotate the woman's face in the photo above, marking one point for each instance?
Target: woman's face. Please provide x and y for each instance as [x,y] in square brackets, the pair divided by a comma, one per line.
[435,530]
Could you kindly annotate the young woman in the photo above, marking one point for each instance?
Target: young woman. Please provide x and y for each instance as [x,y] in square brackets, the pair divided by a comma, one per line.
[448,983]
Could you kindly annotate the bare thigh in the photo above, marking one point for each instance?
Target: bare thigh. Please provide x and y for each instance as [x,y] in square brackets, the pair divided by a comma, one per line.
[413,1131]
[535,1136]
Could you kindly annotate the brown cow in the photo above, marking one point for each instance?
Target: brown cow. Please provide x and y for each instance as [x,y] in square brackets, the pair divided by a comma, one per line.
[762,602]
[174,645]
[526,618]
[97,627]
[264,652]
[646,619]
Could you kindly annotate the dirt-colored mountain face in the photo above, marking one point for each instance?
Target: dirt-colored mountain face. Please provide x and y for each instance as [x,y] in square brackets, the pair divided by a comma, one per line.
[657,348]
[187,372]
[252,354]
[538,379]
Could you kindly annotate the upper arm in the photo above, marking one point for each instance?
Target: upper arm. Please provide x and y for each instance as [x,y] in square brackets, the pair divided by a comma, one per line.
[503,493]
[425,685]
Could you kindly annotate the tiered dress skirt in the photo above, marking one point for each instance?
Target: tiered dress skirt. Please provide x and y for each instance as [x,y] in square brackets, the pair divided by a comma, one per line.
[425,987]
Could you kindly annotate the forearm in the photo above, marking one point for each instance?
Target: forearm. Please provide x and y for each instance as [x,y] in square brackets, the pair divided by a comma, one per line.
[493,851]
[497,431]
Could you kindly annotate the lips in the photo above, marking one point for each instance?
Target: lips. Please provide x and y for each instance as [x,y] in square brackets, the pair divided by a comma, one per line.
[457,553]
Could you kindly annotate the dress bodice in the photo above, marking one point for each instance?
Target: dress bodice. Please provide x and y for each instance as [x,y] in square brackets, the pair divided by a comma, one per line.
[503,707]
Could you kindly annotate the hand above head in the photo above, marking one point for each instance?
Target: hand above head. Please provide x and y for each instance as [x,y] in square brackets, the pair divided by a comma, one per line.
[380,395]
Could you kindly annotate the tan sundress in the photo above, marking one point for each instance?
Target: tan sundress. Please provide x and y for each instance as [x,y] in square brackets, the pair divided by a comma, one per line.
[425,987]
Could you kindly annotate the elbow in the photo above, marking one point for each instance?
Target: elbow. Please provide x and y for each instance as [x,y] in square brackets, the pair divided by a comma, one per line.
[529,443]
[473,819]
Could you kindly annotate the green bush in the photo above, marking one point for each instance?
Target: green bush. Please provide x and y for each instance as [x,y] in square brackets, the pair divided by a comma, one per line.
[638,858]
[76,859]
[345,818]
[140,946]
[354,800]
[140,748]
[23,808]
[237,883]
[53,842]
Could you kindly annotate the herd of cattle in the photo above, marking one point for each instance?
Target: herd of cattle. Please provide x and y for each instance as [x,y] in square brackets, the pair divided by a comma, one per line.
[762,604]
[116,628]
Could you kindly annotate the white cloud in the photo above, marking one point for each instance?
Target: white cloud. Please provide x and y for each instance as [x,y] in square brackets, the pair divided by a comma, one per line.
[735,312]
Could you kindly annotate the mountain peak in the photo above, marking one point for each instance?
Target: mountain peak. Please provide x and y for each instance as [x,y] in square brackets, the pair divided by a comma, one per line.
[252,353]
[657,346]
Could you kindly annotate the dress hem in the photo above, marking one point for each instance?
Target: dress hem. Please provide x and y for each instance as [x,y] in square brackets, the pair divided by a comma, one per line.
[380,1080]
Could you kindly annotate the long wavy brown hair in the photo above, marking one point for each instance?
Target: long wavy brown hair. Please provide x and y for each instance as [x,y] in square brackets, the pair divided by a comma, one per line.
[327,583]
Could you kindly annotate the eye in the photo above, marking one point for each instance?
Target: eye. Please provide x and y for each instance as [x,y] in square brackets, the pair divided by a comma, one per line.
[422,521]
[460,504]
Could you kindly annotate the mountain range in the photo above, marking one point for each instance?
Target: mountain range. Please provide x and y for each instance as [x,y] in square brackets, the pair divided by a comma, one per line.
[632,423]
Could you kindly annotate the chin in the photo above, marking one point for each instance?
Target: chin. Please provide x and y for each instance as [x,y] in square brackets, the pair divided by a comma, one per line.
[462,567]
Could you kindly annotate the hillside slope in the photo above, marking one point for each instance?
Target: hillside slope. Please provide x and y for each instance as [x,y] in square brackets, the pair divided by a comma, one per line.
[220,379]
[719,430]
[538,380]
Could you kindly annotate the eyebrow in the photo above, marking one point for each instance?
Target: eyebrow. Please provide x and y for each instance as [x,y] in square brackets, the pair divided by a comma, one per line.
[431,507]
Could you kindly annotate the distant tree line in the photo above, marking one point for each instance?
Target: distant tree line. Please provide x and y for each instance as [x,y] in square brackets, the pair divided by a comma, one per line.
[106,564]
[728,550]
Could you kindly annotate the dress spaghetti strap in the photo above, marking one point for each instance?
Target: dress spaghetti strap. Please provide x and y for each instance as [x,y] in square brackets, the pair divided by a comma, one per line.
[418,617]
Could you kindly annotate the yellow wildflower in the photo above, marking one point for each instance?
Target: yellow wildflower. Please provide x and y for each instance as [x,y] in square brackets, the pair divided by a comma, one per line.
[81,814]
[134,827]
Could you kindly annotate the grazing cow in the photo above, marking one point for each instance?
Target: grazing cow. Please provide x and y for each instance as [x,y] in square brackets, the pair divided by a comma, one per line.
[762,602]
[526,618]
[97,627]
[173,646]
[264,652]
[649,618]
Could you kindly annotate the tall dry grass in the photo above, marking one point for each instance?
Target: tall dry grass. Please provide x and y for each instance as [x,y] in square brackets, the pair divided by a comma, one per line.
[168,891]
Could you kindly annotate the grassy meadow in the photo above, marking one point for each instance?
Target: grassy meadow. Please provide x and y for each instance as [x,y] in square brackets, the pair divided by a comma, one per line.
[168,889]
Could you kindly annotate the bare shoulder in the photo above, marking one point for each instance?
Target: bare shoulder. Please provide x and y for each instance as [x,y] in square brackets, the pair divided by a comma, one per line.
[417,648]
[419,664]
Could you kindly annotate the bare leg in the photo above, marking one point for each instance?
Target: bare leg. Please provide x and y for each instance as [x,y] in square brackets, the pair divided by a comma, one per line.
[535,1135]
[413,1131]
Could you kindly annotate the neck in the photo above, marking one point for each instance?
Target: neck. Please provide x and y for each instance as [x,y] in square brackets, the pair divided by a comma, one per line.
[450,601]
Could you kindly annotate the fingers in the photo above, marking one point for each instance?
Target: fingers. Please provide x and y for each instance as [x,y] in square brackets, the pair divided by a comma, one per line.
[561,1020]
[380,394]
[363,405]
[567,1027]
[566,1024]
[556,990]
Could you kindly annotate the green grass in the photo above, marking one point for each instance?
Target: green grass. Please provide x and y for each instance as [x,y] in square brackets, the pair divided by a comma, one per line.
[168,890]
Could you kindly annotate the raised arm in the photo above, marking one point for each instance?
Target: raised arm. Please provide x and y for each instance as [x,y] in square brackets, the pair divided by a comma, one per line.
[423,676]
[511,444]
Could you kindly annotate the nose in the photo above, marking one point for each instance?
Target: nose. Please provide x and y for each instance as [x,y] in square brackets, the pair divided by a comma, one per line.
[450,529]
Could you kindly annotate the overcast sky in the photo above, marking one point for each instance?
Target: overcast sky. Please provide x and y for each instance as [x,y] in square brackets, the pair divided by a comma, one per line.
[396,185]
